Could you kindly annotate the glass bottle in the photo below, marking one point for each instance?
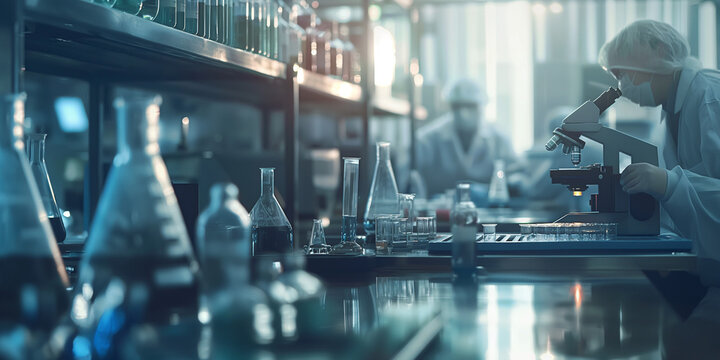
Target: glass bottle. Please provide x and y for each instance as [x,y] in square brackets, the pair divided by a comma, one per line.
[237,310]
[498,193]
[282,298]
[202,17]
[347,53]
[297,38]
[149,9]
[138,242]
[273,22]
[383,198]
[239,28]
[128,6]
[309,291]
[167,13]
[36,153]
[271,230]
[33,280]
[348,235]
[463,222]
[317,244]
[181,6]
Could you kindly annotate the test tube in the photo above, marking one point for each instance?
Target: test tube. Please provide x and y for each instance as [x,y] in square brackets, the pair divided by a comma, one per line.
[348,235]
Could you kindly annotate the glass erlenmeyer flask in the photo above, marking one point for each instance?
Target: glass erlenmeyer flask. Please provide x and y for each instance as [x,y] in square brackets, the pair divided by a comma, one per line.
[317,244]
[271,230]
[33,280]
[498,194]
[383,198]
[348,235]
[36,153]
[138,238]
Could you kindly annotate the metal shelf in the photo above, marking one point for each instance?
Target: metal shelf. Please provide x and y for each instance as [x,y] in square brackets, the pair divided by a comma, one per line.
[81,39]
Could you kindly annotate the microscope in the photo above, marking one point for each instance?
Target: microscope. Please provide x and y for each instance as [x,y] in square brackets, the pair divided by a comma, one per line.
[635,215]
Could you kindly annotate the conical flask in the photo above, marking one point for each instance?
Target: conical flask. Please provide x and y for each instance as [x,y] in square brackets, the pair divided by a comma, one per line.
[271,230]
[498,194]
[36,154]
[383,198]
[317,244]
[33,280]
[138,238]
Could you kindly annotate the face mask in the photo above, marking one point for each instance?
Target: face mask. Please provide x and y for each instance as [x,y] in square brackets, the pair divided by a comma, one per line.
[467,118]
[640,94]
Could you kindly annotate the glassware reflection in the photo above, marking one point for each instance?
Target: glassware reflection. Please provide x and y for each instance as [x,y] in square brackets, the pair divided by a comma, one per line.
[351,310]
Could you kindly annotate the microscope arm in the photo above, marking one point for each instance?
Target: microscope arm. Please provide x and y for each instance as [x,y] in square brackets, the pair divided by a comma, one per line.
[615,142]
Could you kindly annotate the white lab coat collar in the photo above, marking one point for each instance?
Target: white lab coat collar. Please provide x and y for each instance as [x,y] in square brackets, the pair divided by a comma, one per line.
[686,77]
[482,136]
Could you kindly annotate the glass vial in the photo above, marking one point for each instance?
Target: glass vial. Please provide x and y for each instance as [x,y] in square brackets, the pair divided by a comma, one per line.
[271,230]
[202,17]
[463,221]
[180,14]
[498,195]
[36,154]
[138,244]
[383,198]
[348,235]
[239,25]
[33,280]
[167,13]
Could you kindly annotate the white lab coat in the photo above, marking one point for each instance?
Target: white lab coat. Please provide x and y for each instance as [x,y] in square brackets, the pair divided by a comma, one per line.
[442,161]
[692,198]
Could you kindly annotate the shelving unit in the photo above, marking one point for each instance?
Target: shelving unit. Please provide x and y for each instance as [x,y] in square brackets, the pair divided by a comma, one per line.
[108,48]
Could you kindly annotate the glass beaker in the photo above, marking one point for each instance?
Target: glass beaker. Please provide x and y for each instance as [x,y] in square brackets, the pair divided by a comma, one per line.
[348,244]
[36,153]
[33,280]
[271,230]
[167,12]
[138,240]
[498,195]
[317,244]
[128,6]
[383,198]
[149,9]
[463,221]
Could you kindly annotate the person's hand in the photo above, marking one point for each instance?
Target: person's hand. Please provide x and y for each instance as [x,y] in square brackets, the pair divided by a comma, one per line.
[644,178]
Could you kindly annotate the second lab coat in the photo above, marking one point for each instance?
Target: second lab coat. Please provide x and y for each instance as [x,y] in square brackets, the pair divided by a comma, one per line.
[442,161]
[692,197]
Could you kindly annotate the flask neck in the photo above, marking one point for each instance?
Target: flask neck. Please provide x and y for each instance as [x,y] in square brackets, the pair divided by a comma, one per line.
[383,153]
[12,108]
[138,129]
[36,148]
[463,194]
[267,180]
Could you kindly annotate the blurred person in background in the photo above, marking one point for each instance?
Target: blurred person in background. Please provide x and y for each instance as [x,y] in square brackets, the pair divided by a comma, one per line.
[460,145]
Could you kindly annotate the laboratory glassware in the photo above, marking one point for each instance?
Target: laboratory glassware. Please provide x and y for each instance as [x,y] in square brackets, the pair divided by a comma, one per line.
[348,53]
[383,198]
[400,234]
[498,194]
[309,291]
[149,9]
[138,242]
[167,14]
[271,230]
[282,298]
[406,206]
[203,7]
[348,244]
[272,41]
[239,24]
[426,229]
[191,16]
[384,233]
[128,6]
[33,280]
[223,239]
[489,232]
[36,153]
[317,244]
[463,221]
[181,6]
[297,38]
[228,301]
[108,3]
[323,36]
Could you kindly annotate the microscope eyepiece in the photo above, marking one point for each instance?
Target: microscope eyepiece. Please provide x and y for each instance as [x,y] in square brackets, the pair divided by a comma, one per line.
[606,99]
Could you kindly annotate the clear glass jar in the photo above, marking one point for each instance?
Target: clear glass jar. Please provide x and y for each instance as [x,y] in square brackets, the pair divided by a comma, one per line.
[271,230]
[32,287]
[36,154]
[138,252]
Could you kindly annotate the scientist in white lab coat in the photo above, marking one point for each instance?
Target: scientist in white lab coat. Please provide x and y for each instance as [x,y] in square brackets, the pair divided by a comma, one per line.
[460,145]
[652,63]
